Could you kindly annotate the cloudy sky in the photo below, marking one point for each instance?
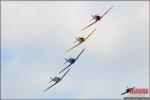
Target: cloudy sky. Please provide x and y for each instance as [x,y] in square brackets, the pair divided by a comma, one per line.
[35,36]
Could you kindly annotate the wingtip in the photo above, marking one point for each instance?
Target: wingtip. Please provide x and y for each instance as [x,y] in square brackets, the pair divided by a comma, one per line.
[111,6]
[67,50]
[45,90]
[59,72]
[83,29]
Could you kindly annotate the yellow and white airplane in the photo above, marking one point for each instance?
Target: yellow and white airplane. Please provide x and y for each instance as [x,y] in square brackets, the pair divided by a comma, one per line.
[81,40]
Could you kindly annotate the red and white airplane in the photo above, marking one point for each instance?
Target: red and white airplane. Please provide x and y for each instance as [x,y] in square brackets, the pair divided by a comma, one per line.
[97,18]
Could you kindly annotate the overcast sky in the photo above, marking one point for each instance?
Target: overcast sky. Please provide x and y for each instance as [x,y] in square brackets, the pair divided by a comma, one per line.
[36,34]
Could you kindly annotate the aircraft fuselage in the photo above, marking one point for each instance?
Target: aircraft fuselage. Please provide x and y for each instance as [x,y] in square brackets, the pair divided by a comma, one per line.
[71,60]
[97,17]
[81,39]
[56,79]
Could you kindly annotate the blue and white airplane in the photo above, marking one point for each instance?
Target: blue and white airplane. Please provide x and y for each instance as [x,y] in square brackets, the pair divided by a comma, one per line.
[71,61]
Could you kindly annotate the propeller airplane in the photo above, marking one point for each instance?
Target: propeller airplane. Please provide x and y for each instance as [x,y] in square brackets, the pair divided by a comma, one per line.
[71,61]
[81,40]
[97,18]
[56,80]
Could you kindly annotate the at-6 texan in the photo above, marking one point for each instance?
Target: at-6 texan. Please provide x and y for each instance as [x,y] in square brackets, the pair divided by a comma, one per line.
[81,40]
[97,18]
[56,80]
[71,61]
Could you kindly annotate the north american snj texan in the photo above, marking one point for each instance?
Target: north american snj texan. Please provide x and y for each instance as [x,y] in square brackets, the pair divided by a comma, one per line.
[71,61]
[56,80]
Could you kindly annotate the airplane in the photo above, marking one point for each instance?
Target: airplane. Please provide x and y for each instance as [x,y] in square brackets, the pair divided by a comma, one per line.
[56,80]
[71,61]
[97,18]
[128,90]
[81,40]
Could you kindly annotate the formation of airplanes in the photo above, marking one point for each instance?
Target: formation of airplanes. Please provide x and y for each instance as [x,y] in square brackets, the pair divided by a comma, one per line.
[80,40]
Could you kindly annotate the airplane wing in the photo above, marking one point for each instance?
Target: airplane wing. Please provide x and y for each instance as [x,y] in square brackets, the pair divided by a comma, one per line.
[106,12]
[80,54]
[124,93]
[90,34]
[65,74]
[73,47]
[131,89]
[89,25]
[50,86]
[65,68]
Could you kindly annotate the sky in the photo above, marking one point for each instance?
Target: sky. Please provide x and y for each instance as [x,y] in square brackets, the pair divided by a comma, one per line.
[36,34]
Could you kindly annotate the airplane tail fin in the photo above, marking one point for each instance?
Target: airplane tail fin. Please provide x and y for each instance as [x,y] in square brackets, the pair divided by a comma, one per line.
[51,79]
[66,60]
[75,40]
[92,18]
